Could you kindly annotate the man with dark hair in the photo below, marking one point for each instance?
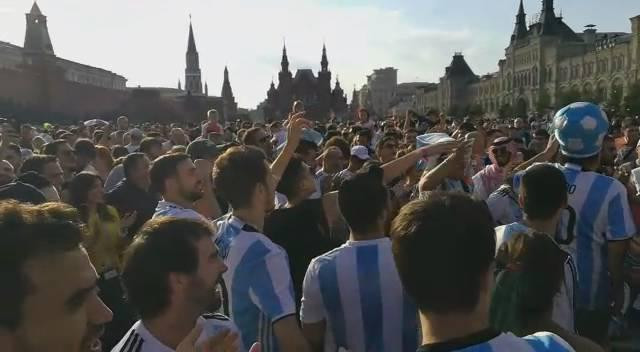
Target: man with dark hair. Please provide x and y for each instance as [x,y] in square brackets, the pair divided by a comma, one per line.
[132,194]
[543,198]
[259,290]
[631,134]
[259,138]
[599,207]
[27,132]
[387,149]
[332,163]
[175,178]
[85,152]
[63,151]
[608,155]
[47,166]
[352,297]
[13,154]
[49,295]
[359,156]
[363,137]
[444,248]
[151,147]
[170,273]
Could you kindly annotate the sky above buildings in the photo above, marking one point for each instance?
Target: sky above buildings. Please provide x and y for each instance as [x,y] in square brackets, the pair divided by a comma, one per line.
[146,40]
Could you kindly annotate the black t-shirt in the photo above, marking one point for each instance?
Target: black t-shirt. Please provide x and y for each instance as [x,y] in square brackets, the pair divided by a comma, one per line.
[304,233]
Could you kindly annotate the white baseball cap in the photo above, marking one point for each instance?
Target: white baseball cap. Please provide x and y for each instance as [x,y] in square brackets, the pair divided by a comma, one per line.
[360,152]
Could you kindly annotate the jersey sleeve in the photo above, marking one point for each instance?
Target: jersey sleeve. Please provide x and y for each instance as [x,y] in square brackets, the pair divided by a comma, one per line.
[271,285]
[312,309]
[620,224]
[546,341]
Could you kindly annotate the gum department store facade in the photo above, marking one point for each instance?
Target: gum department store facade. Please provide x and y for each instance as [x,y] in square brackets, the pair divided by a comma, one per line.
[543,60]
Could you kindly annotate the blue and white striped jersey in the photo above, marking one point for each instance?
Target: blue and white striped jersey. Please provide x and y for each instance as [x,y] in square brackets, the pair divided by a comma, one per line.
[598,212]
[564,302]
[357,291]
[170,209]
[257,287]
[508,342]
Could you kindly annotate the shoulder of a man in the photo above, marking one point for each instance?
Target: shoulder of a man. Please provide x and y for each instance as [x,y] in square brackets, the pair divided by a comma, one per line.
[547,341]
[131,341]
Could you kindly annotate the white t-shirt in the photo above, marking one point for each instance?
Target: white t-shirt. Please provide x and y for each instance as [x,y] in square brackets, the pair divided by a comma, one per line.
[139,339]
[357,291]
[564,302]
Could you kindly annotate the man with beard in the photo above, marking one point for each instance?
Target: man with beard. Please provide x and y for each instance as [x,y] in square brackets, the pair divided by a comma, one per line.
[170,274]
[62,150]
[175,178]
[49,295]
[258,291]
[502,155]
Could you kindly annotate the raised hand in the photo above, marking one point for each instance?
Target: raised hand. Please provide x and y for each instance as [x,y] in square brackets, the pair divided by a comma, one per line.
[552,146]
[297,123]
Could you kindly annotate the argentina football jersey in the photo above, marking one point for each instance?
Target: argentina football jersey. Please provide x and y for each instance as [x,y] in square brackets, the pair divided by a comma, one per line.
[598,212]
[494,342]
[257,287]
[357,291]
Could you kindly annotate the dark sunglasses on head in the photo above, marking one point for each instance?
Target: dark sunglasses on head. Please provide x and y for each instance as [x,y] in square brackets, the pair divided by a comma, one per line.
[391,146]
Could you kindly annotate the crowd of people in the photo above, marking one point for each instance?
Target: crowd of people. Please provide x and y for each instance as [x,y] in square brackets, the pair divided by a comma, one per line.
[408,233]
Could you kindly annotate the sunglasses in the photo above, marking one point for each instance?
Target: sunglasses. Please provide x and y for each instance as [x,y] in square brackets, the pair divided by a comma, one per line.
[264,139]
[391,146]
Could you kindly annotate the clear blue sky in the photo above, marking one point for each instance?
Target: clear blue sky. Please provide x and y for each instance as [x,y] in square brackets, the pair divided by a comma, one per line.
[145,40]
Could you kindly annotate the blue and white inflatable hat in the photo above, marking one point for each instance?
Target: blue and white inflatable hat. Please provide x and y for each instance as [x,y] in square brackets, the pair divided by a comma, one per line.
[309,135]
[580,129]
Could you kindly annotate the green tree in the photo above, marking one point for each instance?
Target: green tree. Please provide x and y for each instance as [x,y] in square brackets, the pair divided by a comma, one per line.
[632,100]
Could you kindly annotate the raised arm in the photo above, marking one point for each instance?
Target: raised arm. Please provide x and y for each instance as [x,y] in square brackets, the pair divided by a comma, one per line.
[294,132]
[545,156]
[399,166]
